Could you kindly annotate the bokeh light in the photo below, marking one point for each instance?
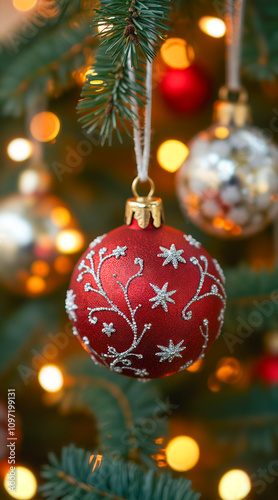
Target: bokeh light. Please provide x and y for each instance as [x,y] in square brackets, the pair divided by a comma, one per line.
[182,453]
[234,485]
[25,483]
[213,383]
[60,216]
[63,264]
[20,149]
[221,132]
[35,285]
[51,378]
[176,53]
[34,180]
[45,126]
[24,5]
[171,154]
[70,241]
[40,268]
[212,26]
[228,370]
[196,367]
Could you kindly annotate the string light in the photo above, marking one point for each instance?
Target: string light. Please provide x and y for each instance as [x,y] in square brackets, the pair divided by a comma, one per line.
[171,154]
[221,132]
[51,378]
[212,26]
[25,483]
[24,5]
[182,453]
[45,126]
[60,216]
[20,149]
[176,53]
[69,241]
[234,485]
[35,285]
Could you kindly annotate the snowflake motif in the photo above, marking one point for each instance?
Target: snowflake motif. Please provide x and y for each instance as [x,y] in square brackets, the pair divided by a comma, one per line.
[70,305]
[97,240]
[219,270]
[214,289]
[75,331]
[221,315]
[108,329]
[93,320]
[172,256]
[192,240]
[171,352]
[141,373]
[162,297]
[119,252]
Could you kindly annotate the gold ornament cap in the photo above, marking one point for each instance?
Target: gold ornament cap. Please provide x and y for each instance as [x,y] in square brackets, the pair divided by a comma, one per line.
[144,208]
[232,108]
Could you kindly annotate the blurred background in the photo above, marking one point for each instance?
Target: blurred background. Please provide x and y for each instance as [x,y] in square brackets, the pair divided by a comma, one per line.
[60,189]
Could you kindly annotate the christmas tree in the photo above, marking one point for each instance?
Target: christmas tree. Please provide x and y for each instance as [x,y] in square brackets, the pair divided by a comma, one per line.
[92,96]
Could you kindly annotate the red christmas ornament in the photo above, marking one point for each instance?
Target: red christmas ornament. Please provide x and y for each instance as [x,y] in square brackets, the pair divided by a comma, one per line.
[267,369]
[146,300]
[186,90]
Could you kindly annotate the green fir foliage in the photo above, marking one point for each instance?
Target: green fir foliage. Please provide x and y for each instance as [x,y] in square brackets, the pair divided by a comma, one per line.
[130,416]
[73,477]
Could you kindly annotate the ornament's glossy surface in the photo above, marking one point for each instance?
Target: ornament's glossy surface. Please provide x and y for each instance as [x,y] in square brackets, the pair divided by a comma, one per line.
[146,302]
[228,185]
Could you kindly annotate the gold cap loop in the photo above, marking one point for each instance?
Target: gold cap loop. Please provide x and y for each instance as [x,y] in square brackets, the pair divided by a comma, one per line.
[144,208]
[232,107]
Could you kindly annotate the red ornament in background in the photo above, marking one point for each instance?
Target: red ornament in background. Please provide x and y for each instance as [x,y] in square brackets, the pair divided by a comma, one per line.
[185,90]
[266,369]
[146,300]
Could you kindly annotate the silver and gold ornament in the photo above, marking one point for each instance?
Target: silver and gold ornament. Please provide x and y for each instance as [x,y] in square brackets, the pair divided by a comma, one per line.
[228,185]
[39,237]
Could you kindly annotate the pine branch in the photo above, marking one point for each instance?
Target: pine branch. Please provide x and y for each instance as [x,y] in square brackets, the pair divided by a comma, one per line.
[52,56]
[131,26]
[249,417]
[75,477]
[241,282]
[107,95]
[127,425]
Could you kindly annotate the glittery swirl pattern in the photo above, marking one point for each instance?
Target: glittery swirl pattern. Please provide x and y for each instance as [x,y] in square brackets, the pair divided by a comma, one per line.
[113,359]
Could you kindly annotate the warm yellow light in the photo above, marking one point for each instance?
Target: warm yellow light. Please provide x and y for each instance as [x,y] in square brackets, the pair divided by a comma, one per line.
[221,132]
[182,453]
[234,485]
[60,216]
[20,149]
[51,378]
[24,4]
[69,241]
[25,483]
[176,53]
[171,154]
[212,26]
[213,383]
[40,268]
[45,126]
[35,285]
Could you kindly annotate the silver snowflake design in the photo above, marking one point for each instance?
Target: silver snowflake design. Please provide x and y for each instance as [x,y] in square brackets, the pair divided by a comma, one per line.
[108,329]
[141,373]
[93,320]
[171,352]
[221,315]
[162,296]
[97,240]
[219,270]
[192,240]
[70,305]
[172,256]
[119,252]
